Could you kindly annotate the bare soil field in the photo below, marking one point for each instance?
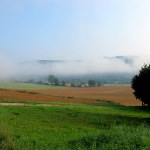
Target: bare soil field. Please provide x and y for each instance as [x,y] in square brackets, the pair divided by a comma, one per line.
[120,94]
[12,95]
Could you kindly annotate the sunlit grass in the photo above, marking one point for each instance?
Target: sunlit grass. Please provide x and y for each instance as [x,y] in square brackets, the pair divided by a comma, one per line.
[77,127]
[117,84]
[27,86]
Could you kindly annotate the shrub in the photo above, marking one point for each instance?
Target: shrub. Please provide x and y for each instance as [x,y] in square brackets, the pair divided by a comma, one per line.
[141,85]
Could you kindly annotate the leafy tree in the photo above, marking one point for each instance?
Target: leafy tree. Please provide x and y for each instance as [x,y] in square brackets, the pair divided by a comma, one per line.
[141,85]
[53,80]
[73,85]
[64,83]
[31,81]
[100,84]
[92,83]
[56,81]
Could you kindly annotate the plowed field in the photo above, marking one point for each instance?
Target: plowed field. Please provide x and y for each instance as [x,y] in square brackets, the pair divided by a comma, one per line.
[123,95]
[7,96]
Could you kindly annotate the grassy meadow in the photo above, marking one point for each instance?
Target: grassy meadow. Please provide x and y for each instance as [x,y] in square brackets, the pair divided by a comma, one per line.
[117,84]
[27,86]
[69,126]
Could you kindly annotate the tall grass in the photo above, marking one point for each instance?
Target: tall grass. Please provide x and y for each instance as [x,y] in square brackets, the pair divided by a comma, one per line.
[5,140]
[76,127]
[118,138]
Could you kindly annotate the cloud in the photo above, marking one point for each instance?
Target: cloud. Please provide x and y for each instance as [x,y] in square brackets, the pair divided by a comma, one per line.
[7,67]
[102,65]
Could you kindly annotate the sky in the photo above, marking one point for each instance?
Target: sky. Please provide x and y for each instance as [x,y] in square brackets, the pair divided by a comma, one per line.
[92,31]
[74,29]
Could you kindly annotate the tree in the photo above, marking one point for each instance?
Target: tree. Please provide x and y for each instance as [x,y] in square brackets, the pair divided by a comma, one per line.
[99,84]
[53,80]
[92,83]
[31,81]
[56,81]
[141,85]
[64,83]
[73,85]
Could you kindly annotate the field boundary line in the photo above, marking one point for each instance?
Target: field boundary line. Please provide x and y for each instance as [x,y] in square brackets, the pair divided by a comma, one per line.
[24,104]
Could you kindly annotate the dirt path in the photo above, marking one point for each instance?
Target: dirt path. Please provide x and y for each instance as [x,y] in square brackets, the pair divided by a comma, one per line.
[24,104]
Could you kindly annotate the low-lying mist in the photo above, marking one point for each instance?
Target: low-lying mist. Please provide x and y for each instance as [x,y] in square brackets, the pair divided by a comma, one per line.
[11,70]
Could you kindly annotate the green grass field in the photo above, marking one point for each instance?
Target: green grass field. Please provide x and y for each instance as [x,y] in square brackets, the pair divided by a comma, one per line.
[33,86]
[74,127]
[117,84]
[27,86]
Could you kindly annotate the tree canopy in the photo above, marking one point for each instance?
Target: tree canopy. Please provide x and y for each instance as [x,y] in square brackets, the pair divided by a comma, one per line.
[141,84]
[53,80]
[92,82]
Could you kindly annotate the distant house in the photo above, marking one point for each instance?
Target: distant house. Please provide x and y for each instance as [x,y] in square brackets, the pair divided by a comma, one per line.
[68,84]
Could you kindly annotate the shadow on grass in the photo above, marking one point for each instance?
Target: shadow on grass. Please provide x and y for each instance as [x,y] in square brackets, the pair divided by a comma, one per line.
[120,137]
[110,120]
[5,140]
[105,120]
[141,108]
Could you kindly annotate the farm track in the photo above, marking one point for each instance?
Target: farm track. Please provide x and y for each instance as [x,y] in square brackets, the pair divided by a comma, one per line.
[24,104]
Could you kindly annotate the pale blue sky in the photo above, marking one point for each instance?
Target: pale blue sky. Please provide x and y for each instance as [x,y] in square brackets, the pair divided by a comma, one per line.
[63,29]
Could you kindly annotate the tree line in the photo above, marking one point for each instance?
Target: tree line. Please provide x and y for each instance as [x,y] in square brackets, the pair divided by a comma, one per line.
[52,80]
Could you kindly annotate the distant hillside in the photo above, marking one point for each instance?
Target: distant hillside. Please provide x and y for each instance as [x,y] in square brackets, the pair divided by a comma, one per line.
[50,61]
[126,59]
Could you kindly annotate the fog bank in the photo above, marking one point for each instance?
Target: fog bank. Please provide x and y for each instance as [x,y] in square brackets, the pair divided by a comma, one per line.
[27,70]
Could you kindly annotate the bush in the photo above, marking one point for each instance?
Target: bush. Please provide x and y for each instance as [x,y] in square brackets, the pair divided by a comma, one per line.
[141,85]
